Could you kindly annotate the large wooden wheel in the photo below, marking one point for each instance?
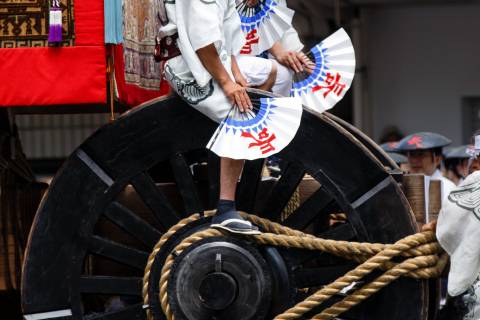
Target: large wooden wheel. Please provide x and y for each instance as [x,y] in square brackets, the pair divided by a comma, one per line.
[110,203]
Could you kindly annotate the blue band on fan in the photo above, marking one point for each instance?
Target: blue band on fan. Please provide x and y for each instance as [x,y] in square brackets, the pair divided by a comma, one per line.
[256,123]
[262,11]
[317,77]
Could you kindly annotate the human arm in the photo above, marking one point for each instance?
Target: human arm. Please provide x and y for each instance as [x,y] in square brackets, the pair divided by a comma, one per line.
[297,61]
[237,74]
[236,93]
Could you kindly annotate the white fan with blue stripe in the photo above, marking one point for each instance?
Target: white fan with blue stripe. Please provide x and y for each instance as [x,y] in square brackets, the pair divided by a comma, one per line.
[259,133]
[263,24]
[334,60]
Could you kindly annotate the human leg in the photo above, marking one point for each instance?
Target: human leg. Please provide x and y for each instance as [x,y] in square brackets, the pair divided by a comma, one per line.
[266,74]
[227,216]
[230,170]
[270,82]
[211,101]
[283,81]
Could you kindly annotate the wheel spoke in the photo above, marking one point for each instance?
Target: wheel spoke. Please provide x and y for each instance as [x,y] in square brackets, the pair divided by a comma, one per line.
[118,252]
[134,312]
[315,277]
[309,210]
[155,200]
[248,186]
[282,192]
[213,179]
[131,223]
[341,198]
[343,232]
[111,285]
[186,185]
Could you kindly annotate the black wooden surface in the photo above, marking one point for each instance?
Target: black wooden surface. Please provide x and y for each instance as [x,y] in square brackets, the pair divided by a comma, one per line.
[64,230]
[375,149]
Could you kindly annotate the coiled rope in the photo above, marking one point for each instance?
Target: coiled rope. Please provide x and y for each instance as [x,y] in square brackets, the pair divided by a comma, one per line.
[424,259]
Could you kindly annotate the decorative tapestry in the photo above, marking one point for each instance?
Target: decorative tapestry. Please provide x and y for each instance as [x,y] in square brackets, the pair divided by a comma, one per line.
[140,29]
[24,23]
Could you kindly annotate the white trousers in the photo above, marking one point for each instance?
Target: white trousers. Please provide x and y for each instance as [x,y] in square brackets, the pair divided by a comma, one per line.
[257,70]
[210,99]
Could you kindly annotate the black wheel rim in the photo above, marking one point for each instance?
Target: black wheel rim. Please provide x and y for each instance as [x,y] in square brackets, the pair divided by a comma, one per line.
[117,159]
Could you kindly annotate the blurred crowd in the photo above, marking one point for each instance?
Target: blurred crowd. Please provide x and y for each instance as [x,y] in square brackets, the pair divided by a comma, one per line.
[433,155]
[458,225]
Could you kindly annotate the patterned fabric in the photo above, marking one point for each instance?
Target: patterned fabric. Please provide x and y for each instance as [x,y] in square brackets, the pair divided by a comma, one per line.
[24,23]
[140,29]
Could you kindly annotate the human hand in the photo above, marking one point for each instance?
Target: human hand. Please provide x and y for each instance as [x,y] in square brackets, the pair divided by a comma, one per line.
[431,226]
[237,95]
[290,59]
[308,64]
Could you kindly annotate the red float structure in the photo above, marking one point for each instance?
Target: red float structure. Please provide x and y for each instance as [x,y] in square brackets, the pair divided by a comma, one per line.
[41,76]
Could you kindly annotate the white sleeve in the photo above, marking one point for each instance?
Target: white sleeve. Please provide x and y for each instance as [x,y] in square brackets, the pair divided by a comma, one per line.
[291,41]
[234,37]
[205,22]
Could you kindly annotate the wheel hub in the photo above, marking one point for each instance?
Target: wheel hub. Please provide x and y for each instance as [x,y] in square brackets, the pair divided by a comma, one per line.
[218,290]
[217,279]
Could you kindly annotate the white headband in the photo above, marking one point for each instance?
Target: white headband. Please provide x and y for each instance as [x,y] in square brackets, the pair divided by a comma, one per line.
[474,151]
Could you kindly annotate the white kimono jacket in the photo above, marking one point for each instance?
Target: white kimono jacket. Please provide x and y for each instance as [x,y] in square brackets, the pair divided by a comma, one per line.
[458,231]
[290,40]
[200,23]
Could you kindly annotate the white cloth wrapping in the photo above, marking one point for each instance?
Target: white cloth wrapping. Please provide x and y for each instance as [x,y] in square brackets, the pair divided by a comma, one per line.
[200,23]
[447,184]
[458,232]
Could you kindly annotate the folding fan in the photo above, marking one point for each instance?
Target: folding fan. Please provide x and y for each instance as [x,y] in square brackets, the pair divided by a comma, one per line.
[259,133]
[263,24]
[334,60]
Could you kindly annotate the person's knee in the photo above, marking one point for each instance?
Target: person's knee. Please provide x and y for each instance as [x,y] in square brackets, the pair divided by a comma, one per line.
[271,80]
[283,82]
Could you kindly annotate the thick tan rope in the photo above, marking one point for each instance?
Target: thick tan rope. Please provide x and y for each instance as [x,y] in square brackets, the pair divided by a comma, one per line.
[421,249]
[366,268]
[376,285]
[156,249]
[292,205]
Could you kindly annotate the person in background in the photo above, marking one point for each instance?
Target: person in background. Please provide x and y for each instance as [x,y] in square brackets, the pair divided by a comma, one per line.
[400,159]
[456,163]
[474,152]
[391,134]
[424,153]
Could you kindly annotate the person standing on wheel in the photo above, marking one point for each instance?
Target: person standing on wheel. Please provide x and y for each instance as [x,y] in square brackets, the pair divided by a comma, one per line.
[200,40]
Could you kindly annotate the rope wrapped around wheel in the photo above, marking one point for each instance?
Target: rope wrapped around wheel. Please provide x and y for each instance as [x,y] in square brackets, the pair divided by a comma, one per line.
[423,258]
